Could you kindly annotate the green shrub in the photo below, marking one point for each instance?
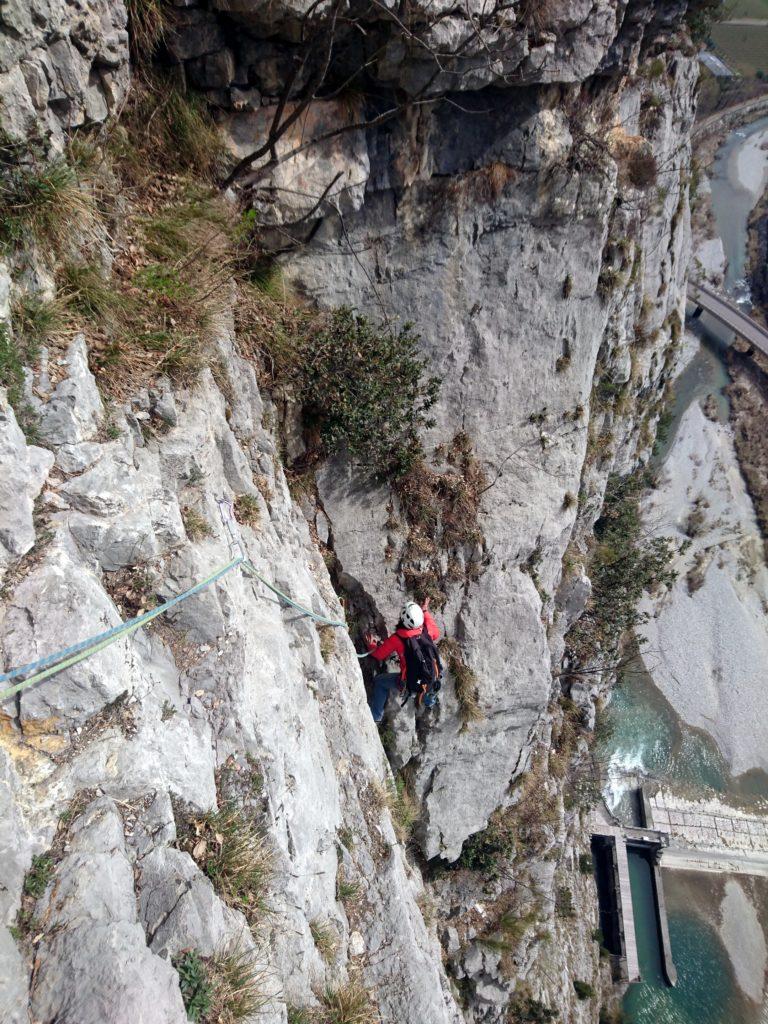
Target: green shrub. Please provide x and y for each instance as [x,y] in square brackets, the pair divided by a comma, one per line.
[195,985]
[583,989]
[524,1009]
[362,389]
[39,875]
[247,510]
[485,851]
[586,864]
[564,902]
[195,523]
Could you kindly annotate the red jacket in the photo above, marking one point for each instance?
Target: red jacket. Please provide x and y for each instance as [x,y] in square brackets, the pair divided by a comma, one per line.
[394,645]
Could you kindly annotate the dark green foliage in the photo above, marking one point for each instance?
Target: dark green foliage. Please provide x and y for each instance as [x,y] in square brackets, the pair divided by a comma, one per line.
[586,866]
[195,985]
[363,388]
[527,1010]
[583,989]
[38,876]
[702,15]
[485,851]
[623,566]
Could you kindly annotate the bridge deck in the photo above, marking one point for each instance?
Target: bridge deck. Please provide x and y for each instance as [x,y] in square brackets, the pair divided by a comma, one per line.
[728,313]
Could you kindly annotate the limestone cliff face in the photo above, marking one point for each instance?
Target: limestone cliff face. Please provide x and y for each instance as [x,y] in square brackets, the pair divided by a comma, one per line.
[530,215]
[547,288]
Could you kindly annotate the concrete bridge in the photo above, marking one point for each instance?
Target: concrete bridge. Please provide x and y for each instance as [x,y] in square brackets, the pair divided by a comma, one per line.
[728,314]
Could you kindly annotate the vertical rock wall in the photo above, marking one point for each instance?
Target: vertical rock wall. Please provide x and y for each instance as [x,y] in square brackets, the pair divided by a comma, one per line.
[511,220]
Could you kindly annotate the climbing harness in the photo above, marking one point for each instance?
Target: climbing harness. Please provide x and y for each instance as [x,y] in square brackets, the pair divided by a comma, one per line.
[51,664]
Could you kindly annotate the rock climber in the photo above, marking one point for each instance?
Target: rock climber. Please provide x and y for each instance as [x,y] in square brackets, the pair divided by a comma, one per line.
[420,671]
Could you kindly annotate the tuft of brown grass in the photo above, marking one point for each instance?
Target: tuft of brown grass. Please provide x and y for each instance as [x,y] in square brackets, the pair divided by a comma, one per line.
[327,636]
[325,938]
[231,848]
[195,523]
[247,510]
[346,1004]
[465,682]
[147,25]
[240,986]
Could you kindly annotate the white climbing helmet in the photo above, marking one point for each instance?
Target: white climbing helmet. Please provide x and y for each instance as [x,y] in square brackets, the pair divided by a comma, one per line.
[412,617]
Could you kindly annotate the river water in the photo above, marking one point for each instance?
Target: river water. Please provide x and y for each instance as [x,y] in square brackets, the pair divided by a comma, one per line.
[738,179]
[645,735]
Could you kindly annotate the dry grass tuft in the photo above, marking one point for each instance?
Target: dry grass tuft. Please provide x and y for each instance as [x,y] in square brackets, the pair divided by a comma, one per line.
[325,938]
[232,850]
[195,523]
[347,1004]
[247,510]
[465,682]
[327,636]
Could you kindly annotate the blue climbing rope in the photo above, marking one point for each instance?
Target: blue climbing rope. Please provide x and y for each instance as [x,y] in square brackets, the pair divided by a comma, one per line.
[51,664]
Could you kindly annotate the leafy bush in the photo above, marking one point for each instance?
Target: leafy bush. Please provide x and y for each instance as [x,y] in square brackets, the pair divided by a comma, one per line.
[195,985]
[39,875]
[362,389]
[583,989]
[642,170]
[485,851]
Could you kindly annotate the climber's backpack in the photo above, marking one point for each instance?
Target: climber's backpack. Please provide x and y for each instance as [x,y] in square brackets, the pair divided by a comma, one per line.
[423,668]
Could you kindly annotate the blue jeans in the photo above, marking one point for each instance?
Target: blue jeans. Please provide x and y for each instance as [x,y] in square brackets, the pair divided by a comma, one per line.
[382,685]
